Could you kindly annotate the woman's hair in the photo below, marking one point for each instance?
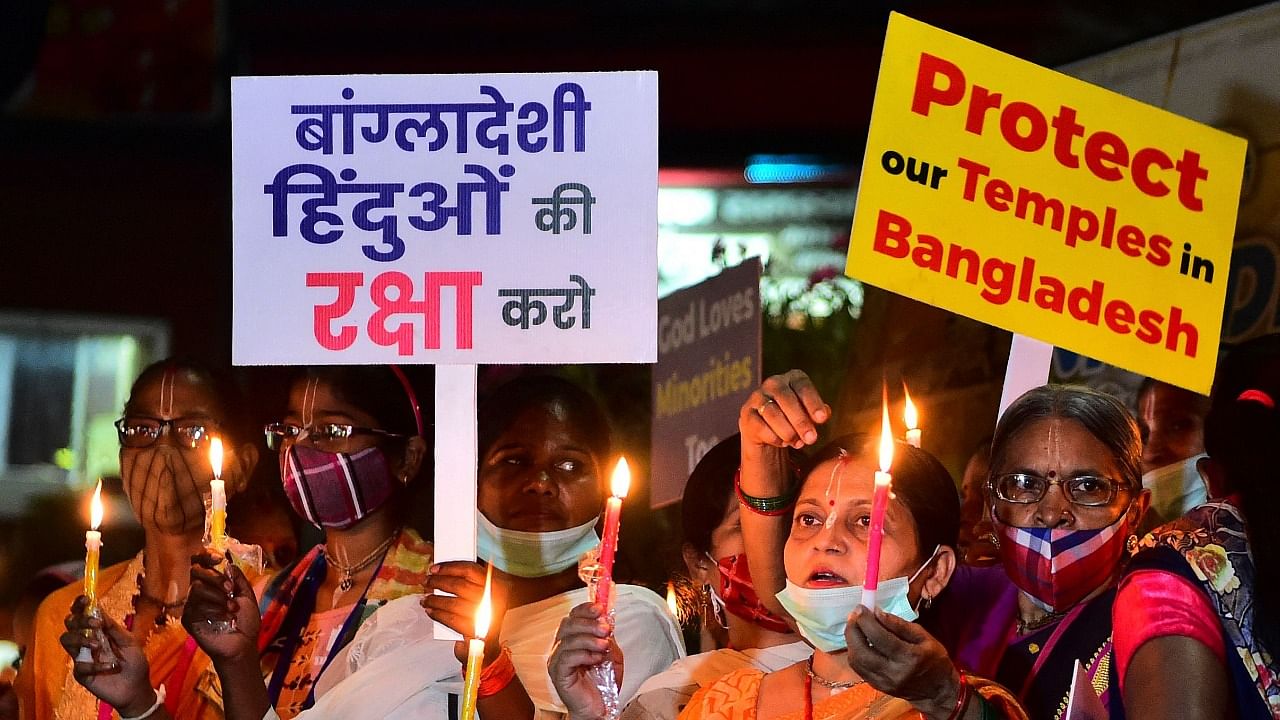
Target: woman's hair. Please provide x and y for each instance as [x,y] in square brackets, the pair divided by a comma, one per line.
[919,481]
[1242,435]
[226,393]
[378,390]
[1102,415]
[504,405]
[709,491]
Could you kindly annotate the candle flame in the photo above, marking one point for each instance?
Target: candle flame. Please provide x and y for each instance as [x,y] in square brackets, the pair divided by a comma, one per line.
[886,439]
[672,604]
[95,507]
[484,611]
[909,410]
[621,481]
[215,457]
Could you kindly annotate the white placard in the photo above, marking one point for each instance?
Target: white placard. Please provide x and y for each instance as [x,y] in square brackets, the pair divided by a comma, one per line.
[1029,361]
[456,462]
[443,219]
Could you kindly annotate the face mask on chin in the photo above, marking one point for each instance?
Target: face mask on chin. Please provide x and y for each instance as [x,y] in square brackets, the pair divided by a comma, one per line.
[533,554]
[822,614]
[1058,567]
[736,593]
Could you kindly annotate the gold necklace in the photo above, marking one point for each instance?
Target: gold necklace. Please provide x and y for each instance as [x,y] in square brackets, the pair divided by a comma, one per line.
[348,571]
[829,684]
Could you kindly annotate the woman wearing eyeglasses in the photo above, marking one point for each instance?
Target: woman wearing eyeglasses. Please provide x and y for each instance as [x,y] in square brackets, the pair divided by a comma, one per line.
[350,445]
[173,409]
[1066,497]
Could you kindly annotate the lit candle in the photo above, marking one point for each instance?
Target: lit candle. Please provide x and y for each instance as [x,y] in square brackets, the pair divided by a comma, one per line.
[879,503]
[672,603]
[619,485]
[475,650]
[911,420]
[218,488]
[93,546]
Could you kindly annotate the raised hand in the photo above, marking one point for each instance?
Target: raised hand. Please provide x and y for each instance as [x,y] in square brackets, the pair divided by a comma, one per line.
[783,412]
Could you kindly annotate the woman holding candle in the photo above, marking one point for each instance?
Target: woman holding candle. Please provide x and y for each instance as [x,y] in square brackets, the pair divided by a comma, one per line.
[173,409]
[1197,616]
[544,443]
[866,664]
[350,446]
[1066,499]
[734,621]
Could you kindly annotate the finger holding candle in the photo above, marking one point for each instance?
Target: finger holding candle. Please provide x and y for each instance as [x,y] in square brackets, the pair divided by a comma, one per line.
[619,485]
[911,418]
[879,504]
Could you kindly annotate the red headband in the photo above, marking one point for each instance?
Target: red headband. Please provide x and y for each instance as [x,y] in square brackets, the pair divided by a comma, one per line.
[413,398]
[1258,396]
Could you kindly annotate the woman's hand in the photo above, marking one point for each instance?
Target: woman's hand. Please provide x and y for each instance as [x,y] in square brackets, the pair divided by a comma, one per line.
[465,580]
[785,411]
[583,641]
[218,596]
[902,659]
[124,684]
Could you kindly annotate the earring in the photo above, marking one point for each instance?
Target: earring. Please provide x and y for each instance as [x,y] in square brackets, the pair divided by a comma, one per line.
[993,539]
[1131,544]
[927,600]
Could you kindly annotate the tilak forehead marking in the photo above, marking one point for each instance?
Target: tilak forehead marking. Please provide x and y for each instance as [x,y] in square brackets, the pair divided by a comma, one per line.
[309,401]
[167,382]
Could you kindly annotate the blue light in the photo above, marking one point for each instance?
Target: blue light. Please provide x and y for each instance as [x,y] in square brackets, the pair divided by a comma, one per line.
[776,169]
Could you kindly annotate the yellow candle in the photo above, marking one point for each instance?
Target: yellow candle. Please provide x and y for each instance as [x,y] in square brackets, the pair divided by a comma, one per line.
[475,650]
[218,488]
[93,546]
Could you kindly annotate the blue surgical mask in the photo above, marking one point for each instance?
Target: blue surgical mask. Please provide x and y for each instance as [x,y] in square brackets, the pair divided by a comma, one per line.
[533,554]
[822,614]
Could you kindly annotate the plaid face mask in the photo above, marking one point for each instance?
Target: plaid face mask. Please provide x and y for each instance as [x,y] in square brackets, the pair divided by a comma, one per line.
[336,490]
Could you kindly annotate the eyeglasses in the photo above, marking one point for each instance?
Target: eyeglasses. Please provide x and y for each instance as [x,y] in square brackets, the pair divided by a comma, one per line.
[324,433]
[138,432]
[1027,488]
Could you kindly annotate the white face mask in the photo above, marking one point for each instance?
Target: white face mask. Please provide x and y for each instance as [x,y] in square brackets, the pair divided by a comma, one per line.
[822,615]
[533,554]
[1175,489]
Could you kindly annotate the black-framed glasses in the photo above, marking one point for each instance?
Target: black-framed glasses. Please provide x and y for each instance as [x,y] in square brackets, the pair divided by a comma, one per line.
[278,433]
[140,432]
[1029,488]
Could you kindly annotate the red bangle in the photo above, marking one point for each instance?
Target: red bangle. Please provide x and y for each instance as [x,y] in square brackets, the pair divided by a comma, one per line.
[497,675]
[961,700]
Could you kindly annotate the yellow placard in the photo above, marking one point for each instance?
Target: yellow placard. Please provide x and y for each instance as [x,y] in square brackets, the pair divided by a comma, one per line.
[1047,206]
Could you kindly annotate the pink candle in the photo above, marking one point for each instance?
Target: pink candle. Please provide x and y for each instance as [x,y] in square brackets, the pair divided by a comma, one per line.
[879,503]
[609,543]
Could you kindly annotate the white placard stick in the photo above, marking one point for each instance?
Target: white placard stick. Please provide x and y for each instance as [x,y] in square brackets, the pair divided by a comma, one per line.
[455,492]
[1029,361]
